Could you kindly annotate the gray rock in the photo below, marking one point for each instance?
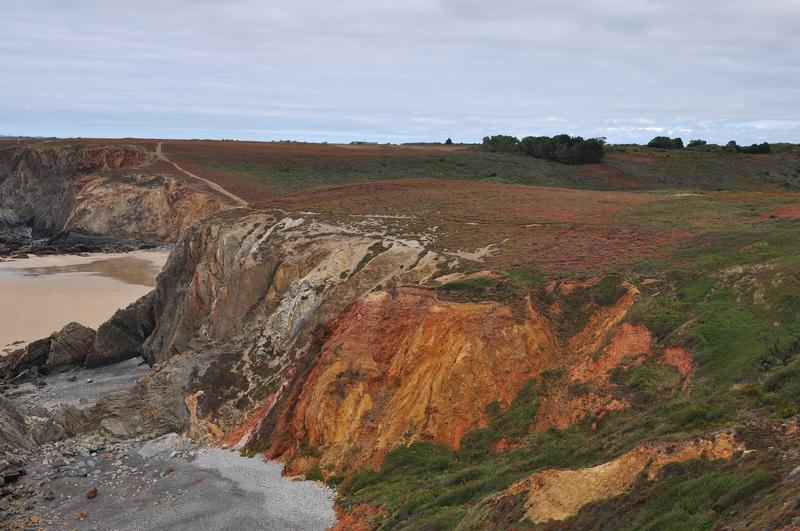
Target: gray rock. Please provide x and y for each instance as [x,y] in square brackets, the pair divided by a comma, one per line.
[69,347]
[121,337]
[61,351]
[15,439]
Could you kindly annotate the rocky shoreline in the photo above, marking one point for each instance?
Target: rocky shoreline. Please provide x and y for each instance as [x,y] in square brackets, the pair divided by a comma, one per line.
[99,481]
[18,241]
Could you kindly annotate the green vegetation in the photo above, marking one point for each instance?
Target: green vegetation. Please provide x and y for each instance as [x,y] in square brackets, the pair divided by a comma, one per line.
[418,483]
[564,148]
[257,176]
[560,148]
[661,315]
[696,143]
[753,149]
[665,142]
[471,284]
[501,144]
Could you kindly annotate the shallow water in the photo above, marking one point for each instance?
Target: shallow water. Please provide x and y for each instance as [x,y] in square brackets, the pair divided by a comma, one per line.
[41,294]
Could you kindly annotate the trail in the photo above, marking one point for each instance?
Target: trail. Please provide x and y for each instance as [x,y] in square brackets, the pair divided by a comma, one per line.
[212,184]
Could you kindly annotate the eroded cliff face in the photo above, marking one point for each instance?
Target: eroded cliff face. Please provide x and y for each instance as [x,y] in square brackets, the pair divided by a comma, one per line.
[240,308]
[325,345]
[320,345]
[107,190]
[402,366]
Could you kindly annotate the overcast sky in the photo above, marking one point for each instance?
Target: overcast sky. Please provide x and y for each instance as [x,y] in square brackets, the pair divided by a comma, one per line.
[401,70]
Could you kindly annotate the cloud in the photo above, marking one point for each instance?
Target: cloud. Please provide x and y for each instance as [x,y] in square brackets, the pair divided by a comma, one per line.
[388,70]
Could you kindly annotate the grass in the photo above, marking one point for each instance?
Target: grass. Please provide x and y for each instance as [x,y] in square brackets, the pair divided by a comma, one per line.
[252,168]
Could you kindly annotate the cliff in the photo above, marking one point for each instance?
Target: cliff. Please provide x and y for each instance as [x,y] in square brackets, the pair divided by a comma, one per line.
[324,345]
[115,191]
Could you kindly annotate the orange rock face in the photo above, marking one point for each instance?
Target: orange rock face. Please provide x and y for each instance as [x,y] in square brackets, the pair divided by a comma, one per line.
[404,367]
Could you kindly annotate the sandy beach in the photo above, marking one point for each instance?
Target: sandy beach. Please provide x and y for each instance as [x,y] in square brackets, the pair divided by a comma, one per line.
[40,294]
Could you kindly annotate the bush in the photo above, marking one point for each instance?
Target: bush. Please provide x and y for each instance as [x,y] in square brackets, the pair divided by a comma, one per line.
[501,143]
[696,143]
[731,147]
[608,291]
[665,142]
[660,315]
[448,142]
[757,149]
[753,149]
[474,284]
[564,148]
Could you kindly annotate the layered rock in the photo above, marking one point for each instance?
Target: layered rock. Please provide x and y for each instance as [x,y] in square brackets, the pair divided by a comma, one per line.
[15,439]
[404,366]
[84,197]
[61,351]
[122,337]
[238,310]
[318,344]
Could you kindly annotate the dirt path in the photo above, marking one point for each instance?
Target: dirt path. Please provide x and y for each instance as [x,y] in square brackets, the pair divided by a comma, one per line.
[238,200]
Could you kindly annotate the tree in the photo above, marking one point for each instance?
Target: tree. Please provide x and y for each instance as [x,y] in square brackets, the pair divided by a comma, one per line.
[731,147]
[564,148]
[665,142]
[696,143]
[501,143]
[449,141]
[757,149]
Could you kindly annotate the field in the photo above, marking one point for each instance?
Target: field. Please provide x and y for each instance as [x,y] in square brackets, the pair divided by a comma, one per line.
[533,213]
[260,171]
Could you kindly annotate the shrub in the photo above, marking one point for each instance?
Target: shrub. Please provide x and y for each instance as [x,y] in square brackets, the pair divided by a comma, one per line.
[696,143]
[731,147]
[474,284]
[661,316]
[564,148]
[608,291]
[665,142]
[501,143]
[757,149]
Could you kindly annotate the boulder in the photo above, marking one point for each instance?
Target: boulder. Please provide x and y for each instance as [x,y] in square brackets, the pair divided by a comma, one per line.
[61,351]
[121,337]
[34,355]
[69,347]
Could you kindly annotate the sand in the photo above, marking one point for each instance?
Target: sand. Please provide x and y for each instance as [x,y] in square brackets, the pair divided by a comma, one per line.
[39,295]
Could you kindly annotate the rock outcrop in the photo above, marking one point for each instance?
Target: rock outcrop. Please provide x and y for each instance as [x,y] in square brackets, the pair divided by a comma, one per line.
[404,366]
[63,350]
[558,494]
[122,337]
[15,440]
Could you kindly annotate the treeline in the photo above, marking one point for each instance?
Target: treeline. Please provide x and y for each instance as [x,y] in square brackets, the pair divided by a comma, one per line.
[560,148]
[665,142]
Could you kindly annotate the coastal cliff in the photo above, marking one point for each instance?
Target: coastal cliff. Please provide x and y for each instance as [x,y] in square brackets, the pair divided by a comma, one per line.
[91,197]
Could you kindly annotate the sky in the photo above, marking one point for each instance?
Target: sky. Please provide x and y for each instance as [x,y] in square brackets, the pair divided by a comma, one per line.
[401,70]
